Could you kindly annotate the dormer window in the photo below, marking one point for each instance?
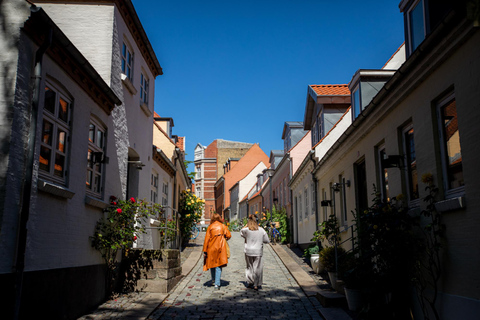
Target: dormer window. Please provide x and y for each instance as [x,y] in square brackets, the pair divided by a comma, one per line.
[422,17]
[415,25]
[364,87]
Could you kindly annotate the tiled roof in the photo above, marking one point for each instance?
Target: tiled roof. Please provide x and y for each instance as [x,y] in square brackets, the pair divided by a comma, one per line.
[179,143]
[330,89]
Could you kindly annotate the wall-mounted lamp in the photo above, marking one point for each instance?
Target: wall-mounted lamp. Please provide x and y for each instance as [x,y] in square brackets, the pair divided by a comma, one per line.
[137,164]
[337,185]
[326,203]
[392,161]
[99,157]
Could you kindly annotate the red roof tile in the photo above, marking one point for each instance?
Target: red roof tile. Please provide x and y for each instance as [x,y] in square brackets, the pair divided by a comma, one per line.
[331,89]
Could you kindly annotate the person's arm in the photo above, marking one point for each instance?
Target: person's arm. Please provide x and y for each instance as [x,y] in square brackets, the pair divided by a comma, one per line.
[243,232]
[228,235]
[205,242]
[265,237]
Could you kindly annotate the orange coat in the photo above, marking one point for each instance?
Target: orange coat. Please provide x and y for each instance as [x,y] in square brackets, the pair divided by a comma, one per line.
[215,245]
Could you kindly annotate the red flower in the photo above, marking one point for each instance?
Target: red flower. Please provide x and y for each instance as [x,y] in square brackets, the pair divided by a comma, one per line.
[119,210]
[134,238]
[114,203]
[132,199]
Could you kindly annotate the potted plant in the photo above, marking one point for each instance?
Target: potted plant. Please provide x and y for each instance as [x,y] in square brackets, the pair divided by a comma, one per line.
[327,258]
[355,274]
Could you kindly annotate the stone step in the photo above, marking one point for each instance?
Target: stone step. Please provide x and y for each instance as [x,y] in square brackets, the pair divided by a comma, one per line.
[331,298]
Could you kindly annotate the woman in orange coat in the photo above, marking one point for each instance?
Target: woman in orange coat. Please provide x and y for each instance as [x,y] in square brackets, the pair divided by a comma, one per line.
[215,248]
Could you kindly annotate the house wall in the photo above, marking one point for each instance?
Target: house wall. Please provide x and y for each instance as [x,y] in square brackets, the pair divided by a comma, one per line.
[160,140]
[298,152]
[58,251]
[16,63]
[460,70]
[90,28]
[48,247]
[304,223]
[250,160]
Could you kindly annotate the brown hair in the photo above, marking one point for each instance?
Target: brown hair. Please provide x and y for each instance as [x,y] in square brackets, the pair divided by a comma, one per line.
[215,217]
[252,222]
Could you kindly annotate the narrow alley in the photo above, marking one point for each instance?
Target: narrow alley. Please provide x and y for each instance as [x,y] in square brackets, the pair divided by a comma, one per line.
[280,297]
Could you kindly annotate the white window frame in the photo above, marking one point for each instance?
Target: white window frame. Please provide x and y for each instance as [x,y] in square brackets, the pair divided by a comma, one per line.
[449,192]
[127,64]
[95,165]
[314,201]
[165,193]
[52,144]
[409,30]
[307,204]
[300,215]
[154,187]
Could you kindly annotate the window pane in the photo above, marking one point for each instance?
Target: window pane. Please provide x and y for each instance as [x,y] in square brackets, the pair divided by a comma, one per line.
[411,165]
[356,102]
[59,165]
[49,100]
[44,162]
[417,30]
[100,136]
[47,132]
[452,145]
[91,133]
[89,159]
[63,110]
[89,179]
[97,183]
[61,140]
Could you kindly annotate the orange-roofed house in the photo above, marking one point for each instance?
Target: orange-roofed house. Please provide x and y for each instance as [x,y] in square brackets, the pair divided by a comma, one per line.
[325,107]
[252,159]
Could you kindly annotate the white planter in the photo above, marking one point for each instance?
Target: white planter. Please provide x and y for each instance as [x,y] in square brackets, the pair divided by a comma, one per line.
[333,280]
[354,299]
[317,266]
[314,261]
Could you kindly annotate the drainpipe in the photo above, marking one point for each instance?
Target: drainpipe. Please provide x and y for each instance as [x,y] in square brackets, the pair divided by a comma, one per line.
[19,266]
[315,190]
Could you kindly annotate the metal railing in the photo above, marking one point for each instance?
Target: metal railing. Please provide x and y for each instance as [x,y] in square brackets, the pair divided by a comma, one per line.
[168,228]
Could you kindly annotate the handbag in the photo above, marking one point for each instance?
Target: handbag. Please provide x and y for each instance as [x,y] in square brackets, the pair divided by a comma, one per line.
[226,243]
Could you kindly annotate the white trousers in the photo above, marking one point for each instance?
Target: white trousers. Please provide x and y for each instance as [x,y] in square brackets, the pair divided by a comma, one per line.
[254,270]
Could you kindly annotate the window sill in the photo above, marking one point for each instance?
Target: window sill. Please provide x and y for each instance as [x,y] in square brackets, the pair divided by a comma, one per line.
[94,202]
[145,109]
[154,222]
[128,83]
[451,204]
[54,189]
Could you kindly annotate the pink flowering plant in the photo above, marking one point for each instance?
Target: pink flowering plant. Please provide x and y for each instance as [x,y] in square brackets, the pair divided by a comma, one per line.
[118,230]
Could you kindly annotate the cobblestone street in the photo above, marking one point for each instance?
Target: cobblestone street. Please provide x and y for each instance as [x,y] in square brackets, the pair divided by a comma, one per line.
[280,297]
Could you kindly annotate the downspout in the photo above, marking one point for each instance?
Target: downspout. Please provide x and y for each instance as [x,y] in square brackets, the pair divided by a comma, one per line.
[19,266]
[315,190]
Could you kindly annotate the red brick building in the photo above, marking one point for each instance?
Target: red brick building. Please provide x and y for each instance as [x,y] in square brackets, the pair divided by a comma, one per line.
[209,167]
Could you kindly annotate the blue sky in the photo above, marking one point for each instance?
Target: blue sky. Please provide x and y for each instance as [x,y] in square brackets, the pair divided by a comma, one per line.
[237,70]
